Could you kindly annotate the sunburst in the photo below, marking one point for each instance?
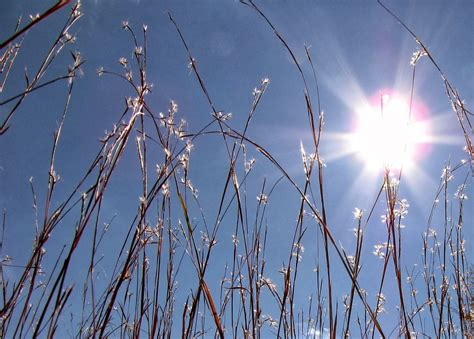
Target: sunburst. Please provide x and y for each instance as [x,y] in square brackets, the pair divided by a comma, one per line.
[389,133]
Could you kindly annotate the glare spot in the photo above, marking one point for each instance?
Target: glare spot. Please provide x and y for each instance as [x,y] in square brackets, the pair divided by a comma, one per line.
[386,134]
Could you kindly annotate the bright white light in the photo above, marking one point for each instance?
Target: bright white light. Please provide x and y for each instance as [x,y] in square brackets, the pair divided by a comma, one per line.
[385,136]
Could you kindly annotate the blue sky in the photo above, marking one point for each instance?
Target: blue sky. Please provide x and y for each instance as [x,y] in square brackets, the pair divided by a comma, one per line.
[358,51]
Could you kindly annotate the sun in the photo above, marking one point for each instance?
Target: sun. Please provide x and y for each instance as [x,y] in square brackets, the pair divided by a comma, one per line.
[388,133]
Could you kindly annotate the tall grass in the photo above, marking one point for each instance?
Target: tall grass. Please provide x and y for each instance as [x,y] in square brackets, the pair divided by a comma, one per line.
[170,230]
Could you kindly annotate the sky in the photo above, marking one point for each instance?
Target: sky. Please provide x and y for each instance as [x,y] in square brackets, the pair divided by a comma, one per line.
[359,53]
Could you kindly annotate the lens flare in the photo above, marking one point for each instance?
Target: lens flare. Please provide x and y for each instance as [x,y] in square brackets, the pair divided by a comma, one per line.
[388,134]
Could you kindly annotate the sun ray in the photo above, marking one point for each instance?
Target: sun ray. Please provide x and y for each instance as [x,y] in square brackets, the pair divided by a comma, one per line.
[387,136]
[417,182]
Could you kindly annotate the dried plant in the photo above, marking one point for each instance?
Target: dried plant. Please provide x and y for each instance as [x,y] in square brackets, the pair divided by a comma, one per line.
[170,230]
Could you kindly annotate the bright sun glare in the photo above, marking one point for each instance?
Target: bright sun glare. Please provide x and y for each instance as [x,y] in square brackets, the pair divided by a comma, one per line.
[387,135]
